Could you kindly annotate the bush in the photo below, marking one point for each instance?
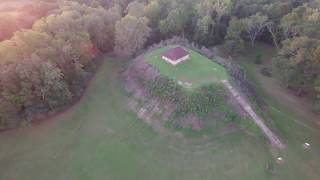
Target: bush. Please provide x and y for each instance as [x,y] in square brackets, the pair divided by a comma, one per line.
[233,46]
[232,116]
[266,71]
[258,59]
[250,126]
[200,102]
[164,88]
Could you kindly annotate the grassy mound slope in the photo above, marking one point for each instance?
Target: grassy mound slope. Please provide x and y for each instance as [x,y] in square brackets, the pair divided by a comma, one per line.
[99,139]
[197,70]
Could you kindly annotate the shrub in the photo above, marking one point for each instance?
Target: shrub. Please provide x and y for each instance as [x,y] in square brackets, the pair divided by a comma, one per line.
[165,88]
[232,116]
[232,46]
[258,58]
[266,71]
[250,126]
[200,102]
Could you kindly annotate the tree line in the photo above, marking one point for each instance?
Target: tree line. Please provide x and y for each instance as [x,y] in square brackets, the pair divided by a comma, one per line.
[22,17]
[44,68]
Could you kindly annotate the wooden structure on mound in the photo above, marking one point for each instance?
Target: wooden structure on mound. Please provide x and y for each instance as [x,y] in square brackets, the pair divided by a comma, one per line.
[176,55]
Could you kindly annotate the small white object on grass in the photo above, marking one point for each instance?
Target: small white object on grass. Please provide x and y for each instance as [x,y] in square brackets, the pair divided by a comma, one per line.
[279,160]
[306,145]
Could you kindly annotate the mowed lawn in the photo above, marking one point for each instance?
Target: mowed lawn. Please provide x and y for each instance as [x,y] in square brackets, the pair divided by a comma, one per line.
[198,70]
[100,139]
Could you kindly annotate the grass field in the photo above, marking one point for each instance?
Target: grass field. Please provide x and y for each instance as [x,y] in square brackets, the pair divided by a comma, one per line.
[99,139]
[197,70]
[289,115]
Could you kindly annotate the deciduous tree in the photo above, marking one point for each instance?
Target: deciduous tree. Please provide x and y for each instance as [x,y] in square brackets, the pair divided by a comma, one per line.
[233,40]
[253,26]
[131,34]
[135,8]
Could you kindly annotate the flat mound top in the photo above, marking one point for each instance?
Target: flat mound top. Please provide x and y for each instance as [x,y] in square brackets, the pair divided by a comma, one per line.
[192,73]
[176,53]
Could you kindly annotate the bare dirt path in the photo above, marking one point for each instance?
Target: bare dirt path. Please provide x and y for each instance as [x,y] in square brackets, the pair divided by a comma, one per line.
[258,120]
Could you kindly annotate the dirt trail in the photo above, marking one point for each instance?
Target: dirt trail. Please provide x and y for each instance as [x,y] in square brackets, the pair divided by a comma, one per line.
[258,120]
[273,138]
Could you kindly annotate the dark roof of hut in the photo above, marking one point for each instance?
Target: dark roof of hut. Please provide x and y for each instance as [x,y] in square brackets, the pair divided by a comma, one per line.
[176,53]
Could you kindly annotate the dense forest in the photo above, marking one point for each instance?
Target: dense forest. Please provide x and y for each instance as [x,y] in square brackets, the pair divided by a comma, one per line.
[44,68]
[16,15]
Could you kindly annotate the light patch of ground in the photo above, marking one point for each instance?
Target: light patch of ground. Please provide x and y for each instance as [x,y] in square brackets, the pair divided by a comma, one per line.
[185,84]
[150,113]
[192,121]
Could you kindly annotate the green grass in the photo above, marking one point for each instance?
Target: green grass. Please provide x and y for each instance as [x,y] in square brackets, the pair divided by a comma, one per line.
[100,139]
[197,70]
[289,116]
